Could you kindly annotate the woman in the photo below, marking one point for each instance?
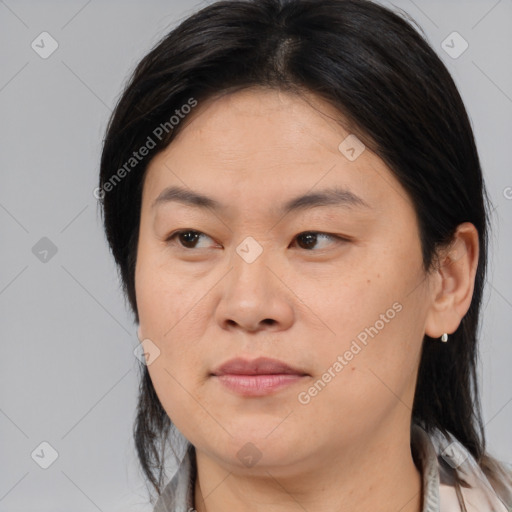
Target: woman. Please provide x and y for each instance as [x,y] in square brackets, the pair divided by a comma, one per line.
[293,196]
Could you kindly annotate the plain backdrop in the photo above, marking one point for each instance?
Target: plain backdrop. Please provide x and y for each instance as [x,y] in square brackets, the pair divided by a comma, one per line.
[68,374]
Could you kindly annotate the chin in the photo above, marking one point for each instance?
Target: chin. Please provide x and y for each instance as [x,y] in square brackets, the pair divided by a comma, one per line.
[258,446]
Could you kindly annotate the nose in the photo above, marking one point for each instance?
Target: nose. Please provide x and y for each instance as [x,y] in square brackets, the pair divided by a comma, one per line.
[254,297]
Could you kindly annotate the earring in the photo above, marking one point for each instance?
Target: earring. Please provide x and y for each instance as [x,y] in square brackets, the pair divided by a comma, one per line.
[444,337]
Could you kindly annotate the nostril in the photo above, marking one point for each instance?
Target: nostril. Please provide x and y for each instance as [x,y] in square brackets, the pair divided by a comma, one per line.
[233,323]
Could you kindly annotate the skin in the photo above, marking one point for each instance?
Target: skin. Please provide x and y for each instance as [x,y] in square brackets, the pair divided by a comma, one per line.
[348,448]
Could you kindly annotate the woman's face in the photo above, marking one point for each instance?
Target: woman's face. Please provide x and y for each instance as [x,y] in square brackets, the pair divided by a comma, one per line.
[345,309]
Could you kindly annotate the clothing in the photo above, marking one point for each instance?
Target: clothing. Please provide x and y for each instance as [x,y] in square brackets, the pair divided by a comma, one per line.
[441,459]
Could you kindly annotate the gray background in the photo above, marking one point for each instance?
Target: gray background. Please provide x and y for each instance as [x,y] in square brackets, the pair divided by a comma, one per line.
[68,375]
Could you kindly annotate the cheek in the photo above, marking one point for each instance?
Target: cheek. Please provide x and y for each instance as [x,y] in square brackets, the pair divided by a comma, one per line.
[373,344]
[164,298]
[348,300]
[179,397]
[363,378]
[172,316]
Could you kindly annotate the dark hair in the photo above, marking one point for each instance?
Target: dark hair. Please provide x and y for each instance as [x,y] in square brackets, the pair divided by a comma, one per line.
[391,90]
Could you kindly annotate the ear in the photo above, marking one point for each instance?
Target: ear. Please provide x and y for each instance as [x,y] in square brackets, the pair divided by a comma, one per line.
[453,282]
[139,333]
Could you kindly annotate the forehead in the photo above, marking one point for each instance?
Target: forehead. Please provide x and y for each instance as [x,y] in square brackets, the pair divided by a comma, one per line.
[268,143]
[259,121]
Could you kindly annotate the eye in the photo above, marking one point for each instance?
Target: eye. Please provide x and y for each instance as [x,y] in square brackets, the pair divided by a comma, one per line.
[187,238]
[310,239]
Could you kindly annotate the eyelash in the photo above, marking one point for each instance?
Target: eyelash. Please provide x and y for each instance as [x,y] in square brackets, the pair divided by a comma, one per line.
[171,238]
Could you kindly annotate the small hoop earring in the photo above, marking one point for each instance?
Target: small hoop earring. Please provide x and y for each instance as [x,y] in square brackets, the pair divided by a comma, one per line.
[444,337]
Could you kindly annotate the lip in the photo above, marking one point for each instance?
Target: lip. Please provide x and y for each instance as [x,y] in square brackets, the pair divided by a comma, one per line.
[257,377]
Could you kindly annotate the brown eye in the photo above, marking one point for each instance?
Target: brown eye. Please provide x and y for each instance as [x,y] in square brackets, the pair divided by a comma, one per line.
[309,239]
[187,238]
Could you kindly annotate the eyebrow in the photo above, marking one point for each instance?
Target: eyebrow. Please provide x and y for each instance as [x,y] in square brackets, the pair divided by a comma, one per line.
[334,196]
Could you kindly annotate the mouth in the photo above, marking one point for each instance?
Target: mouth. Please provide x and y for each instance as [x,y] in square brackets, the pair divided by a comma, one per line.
[257,377]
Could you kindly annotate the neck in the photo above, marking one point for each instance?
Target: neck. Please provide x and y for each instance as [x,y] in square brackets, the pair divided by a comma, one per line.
[378,475]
